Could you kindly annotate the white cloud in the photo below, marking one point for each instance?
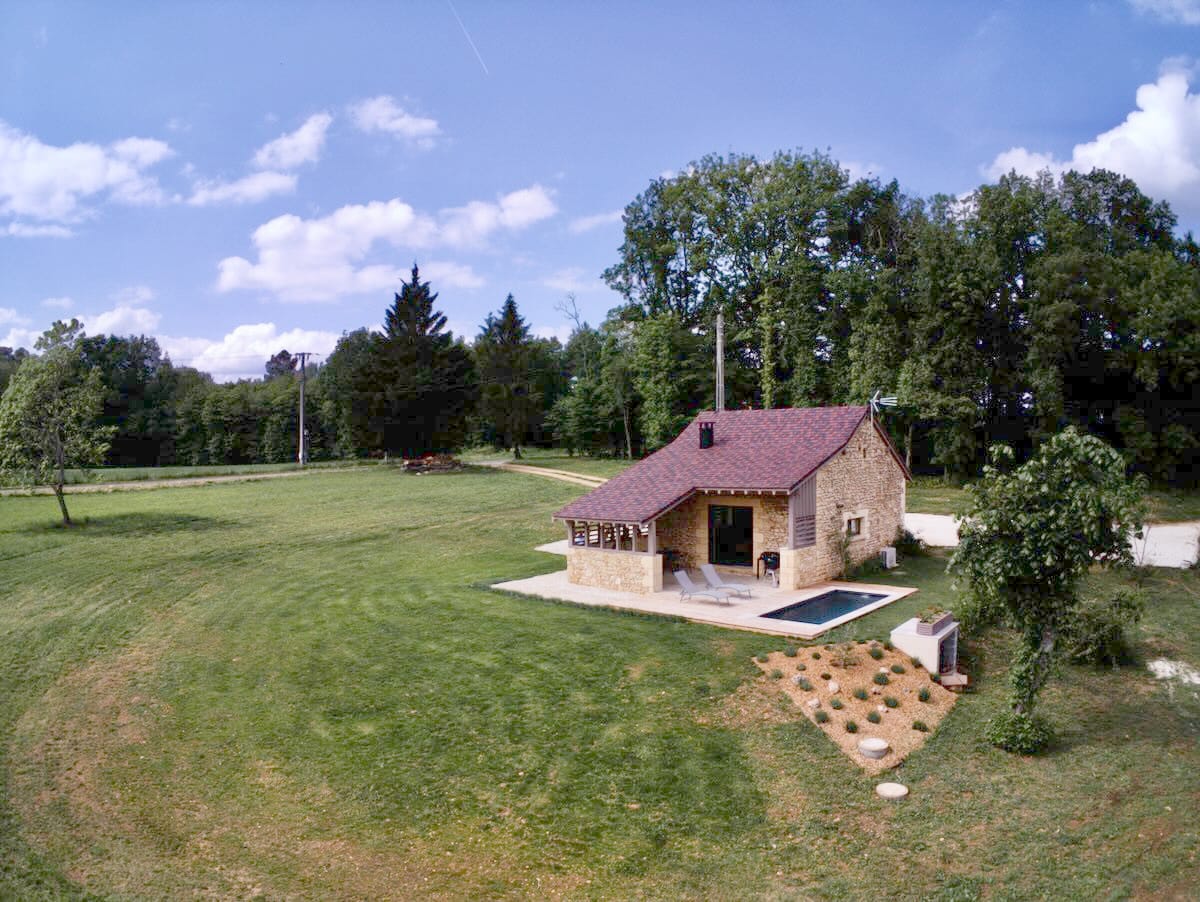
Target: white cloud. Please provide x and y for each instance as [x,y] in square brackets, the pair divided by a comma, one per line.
[321,259]
[572,280]
[133,295]
[294,149]
[452,275]
[9,315]
[51,183]
[243,352]
[121,320]
[562,333]
[382,114]
[25,230]
[1158,144]
[857,170]
[63,303]
[1183,12]
[20,338]
[248,190]
[595,221]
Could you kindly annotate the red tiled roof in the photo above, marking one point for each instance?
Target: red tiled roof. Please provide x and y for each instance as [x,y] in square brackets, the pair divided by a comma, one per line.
[753,450]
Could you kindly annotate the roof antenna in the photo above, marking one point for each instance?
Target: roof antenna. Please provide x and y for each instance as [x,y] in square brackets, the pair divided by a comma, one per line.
[720,402]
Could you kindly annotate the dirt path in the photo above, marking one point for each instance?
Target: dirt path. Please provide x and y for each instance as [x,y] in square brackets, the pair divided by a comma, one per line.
[138,485]
[545,472]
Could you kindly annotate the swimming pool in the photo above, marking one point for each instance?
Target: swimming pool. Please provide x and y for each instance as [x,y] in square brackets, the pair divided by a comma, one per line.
[825,607]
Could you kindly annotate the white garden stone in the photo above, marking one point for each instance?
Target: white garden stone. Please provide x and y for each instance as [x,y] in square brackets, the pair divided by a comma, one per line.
[873,747]
[814,703]
[891,791]
[833,686]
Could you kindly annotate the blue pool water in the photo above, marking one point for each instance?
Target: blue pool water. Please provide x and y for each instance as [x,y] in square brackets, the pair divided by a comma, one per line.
[823,608]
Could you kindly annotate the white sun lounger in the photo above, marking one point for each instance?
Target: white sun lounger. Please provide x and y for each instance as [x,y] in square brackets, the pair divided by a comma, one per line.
[715,581]
[689,589]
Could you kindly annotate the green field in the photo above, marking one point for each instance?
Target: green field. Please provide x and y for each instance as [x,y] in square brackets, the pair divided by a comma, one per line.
[931,495]
[304,689]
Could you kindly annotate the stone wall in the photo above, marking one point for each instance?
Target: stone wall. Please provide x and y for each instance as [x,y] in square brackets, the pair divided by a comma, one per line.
[622,571]
[685,529]
[863,480]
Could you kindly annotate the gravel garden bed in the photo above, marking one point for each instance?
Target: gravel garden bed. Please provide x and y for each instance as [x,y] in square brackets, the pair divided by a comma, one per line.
[853,691]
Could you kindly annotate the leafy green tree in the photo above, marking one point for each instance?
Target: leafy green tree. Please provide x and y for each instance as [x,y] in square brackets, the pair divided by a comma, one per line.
[48,414]
[9,361]
[508,398]
[1028,539]
[281,364]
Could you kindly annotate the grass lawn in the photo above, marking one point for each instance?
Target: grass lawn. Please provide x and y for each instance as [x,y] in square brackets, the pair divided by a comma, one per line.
[303,688]
[141,474]
[930,495]
[555,459]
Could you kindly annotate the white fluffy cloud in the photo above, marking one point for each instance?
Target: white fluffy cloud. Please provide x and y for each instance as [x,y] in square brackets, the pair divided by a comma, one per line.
[63,303]
[572,280]
[294,149]
[25,230]
[243,352]
[121,320]
[321,259]
[248,190]
[595,221]
[51,184]
[1158,144]
[1184,12]
[9,315]
[382,114]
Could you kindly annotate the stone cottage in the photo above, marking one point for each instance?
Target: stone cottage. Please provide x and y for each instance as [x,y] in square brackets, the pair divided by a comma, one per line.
[805,484]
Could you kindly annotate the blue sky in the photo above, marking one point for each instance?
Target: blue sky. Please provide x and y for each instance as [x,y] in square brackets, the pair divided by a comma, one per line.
[234,178]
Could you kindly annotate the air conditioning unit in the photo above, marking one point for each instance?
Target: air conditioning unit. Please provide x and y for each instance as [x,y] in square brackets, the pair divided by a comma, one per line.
[887,557]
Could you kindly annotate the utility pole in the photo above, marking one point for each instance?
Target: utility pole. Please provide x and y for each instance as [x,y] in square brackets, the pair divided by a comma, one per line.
[302,454]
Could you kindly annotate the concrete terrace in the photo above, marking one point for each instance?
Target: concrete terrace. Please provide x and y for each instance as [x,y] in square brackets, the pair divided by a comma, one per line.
[740,613]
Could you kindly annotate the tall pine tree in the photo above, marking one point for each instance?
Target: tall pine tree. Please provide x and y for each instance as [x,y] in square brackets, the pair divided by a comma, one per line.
[418,386]
[508,396]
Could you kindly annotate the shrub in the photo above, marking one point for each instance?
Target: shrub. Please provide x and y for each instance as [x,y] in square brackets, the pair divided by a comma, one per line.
[822,716]
[920,726]
[891,701]
[816,656]
[762,659]
[897,668]
[906,543]
[874,717]
[777,674]
[1097,634]
[826,676]
[836,704]
[860,694]
[851,727]
[789,651]
[887,644]
[1022,733]
[801,666]
[869,567]
[804,684]
[935,678]
[881,679]
[923,693]
[915,662]
[843,657]
[875,652]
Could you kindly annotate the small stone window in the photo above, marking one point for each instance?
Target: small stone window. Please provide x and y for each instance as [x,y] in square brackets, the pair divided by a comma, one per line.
[854,526]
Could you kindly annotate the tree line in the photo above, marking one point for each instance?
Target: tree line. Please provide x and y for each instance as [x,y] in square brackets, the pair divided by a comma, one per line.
[1002,315]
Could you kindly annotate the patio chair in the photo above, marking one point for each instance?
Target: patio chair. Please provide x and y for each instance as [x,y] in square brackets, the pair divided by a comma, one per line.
[688,589]
[715,581]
